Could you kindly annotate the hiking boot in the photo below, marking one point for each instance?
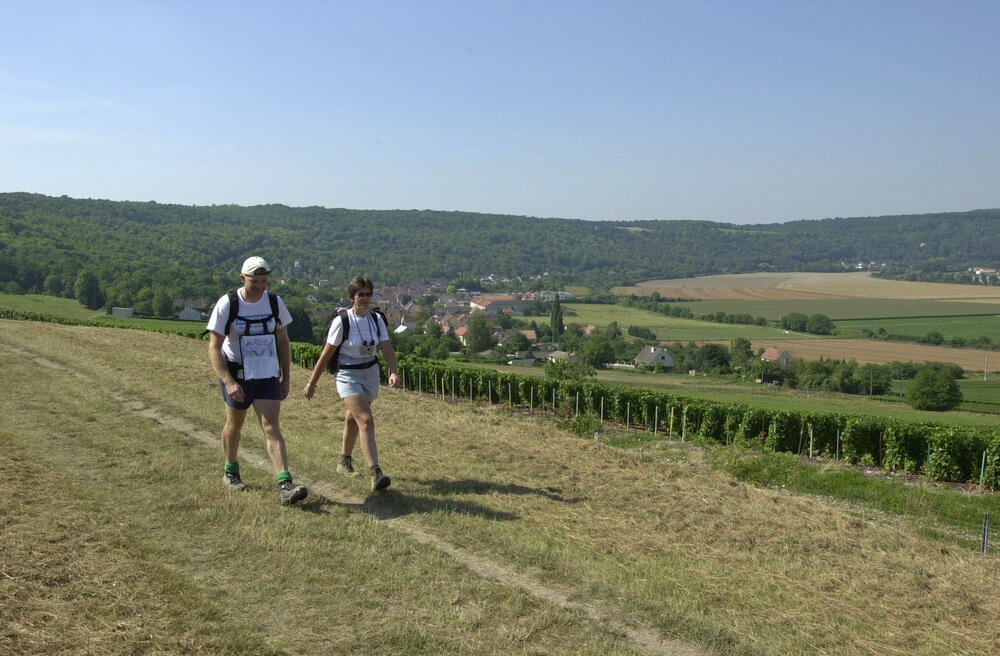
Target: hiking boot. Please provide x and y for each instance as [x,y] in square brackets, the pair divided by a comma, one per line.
[233,481]
[291,493]
[379,480]
[346,466]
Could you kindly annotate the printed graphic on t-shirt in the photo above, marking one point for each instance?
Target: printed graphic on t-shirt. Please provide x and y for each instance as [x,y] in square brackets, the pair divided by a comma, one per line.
[260,357]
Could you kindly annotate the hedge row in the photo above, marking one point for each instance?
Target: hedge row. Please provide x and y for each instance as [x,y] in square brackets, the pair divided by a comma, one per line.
[945,453]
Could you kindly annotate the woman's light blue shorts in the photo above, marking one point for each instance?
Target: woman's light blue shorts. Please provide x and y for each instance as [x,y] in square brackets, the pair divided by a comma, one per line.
[358,381]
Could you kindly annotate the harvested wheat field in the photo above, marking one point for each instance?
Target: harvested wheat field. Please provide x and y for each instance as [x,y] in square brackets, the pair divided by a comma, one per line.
[806,286]
[874,351]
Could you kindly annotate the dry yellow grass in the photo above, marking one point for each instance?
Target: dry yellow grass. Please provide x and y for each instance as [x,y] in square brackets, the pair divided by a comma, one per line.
[502,534]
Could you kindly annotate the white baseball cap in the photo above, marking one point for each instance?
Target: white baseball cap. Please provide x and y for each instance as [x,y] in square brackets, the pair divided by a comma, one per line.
[255,266]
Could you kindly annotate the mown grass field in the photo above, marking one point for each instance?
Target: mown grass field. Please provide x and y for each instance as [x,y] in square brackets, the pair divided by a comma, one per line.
[667,328]
[964,327]
[501,533]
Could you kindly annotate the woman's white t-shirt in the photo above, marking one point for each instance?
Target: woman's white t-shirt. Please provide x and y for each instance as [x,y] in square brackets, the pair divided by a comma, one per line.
[363,337]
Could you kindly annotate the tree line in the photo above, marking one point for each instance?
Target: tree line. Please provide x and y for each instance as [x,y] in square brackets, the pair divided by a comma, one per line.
[144,254]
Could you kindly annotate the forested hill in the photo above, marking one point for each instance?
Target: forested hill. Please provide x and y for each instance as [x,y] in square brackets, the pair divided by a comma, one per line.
[46,241]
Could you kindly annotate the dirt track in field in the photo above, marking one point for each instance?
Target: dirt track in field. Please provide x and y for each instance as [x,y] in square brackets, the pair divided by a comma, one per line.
[806,286]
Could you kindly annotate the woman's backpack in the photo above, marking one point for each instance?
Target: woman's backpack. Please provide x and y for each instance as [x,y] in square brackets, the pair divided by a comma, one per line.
[334,363]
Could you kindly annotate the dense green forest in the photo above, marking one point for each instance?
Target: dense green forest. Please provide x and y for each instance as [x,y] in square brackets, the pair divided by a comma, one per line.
[149,253]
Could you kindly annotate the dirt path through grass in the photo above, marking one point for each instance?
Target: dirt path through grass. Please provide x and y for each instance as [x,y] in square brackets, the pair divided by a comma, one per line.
[645,638]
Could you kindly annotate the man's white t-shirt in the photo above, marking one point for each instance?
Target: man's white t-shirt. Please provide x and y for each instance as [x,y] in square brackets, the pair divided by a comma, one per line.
[250,341]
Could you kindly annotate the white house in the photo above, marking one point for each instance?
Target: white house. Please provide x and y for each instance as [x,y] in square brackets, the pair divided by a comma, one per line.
[651,356]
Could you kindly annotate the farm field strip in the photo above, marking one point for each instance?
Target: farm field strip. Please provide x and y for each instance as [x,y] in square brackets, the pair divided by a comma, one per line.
[808,286]
[841,309]
[875,351]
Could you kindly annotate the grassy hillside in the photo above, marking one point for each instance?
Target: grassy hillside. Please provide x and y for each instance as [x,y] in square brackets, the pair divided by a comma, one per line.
[501,533]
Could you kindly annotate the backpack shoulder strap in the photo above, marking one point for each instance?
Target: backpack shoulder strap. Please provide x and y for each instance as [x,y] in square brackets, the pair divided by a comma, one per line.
[274,310]
[234,309]
[345,325]
[334,364]
[378,324]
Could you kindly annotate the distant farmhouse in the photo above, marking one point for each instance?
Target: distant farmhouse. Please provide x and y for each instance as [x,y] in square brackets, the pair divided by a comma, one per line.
[772,354]
[563,356]
[652,356]
[494,304]
[984,276]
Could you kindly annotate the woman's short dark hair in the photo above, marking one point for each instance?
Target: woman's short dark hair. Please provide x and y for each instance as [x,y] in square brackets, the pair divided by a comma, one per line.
[357,284]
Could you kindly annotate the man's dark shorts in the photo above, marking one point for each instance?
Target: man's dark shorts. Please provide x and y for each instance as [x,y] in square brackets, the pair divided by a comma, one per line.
[268,389]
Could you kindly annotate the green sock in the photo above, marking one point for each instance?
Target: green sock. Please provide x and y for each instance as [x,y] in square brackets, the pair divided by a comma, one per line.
[232,467]
[284,477]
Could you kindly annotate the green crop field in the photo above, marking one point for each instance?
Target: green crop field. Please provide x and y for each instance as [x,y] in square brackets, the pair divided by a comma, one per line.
[668,328]
[965,327]
[980,395]
[67,308]
[843,308]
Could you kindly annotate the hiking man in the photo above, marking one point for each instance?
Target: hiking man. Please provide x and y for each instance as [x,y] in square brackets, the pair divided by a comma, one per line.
[249,350]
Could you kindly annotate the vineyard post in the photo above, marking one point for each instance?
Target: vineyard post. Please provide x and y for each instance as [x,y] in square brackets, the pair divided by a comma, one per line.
[489,389]
[531,399]
[628,415]
[656,419]
[576,414]
[982,473]
[927,464]
[986,532]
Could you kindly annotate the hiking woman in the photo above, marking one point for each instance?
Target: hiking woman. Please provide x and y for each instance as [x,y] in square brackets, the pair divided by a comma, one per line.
[358,375]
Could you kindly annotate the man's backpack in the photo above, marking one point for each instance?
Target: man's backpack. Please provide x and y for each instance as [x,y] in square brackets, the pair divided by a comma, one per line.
[234,311]
[334,363]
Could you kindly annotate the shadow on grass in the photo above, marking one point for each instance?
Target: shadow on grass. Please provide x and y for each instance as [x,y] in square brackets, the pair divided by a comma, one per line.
[442,486]
[393,503]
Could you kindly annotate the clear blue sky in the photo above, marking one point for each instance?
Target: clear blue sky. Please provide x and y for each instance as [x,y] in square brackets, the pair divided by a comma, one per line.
[738,111]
